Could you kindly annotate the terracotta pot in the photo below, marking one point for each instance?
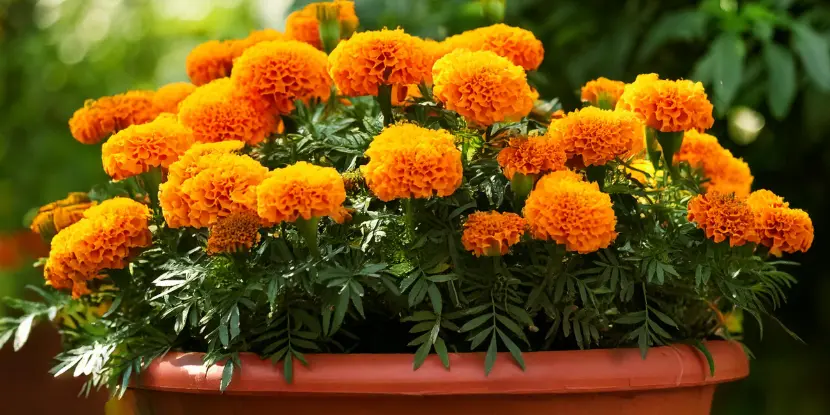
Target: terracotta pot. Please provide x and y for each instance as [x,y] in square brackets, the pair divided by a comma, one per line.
[672,380]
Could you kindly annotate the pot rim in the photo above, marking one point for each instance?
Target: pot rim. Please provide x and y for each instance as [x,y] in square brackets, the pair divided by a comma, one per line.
[554,372]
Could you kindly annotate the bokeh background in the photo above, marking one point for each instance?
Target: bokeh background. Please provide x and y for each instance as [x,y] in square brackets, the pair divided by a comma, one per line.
[766,64]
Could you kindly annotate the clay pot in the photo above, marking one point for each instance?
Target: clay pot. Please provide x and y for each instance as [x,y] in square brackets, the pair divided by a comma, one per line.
[672,380]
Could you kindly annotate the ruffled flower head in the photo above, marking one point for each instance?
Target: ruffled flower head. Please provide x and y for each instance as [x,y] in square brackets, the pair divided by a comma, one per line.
[406,160]
[779,227]
[668,106]
[301,190]
[492,233]
[281,72]
[599,136]
[726,173]
[208,61]
[98,119]
[385,57]
[602,90]
[139,148]
[215,112]
[518,45]
[571,212]
[168,97]
[303,25]
[56,216]
[238,232]
[482,87]
[723,216]
[532,156]
[256,37]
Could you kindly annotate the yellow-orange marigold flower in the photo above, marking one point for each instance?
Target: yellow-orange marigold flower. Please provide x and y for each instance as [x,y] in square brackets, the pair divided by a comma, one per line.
[763,199]
[482,86]
[215,112]
[201,190]
[138,148]
[100,118]
[518,45]
[668,106]
[406,160]
[55,216]
[104,239]
[602,89]
[778,226]
[237,232]
[492,233]
[303,25]
[532,156]
[301,190]
[726,173]
[281,72]
[385,57]
[168,97]
[254,38]
[208,61]
[571,212]
[599,136]
[723,216]
[189,162]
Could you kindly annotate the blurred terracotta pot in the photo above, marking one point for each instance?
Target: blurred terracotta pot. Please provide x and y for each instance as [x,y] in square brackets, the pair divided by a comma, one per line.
[672,380]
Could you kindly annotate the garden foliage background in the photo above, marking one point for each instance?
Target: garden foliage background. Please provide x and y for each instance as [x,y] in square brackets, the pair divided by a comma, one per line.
[766,64]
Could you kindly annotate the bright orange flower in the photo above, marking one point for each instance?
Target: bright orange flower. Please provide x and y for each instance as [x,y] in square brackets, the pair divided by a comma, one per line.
[518,45]
[726,173]
[168,97]
[602,89]
[238,232]
[571,212]
[183,169]
[208,61]
[100,118]
[406,160]
[301,190]
[303,25]
[215,112]
[532,156]
[599,136]
[281,72]
[492,233]
[385,57]
[668,106]
[138,148]
[779,227]
[723,216]
[763,199]
[55,216]
[254,38]
[482,87]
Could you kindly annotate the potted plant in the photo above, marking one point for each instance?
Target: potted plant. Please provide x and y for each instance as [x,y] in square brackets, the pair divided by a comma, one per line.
[401,225]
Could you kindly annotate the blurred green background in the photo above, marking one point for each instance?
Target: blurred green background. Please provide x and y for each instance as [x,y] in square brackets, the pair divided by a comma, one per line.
[766,65]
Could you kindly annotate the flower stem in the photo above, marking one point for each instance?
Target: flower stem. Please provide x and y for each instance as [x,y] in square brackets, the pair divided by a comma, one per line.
[670,143]
[307,228]
[409,216]
[150,182]
[384,99]
[521,185]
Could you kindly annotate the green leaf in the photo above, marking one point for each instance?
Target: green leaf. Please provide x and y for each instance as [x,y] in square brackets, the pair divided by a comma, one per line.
[474,323]
[234,322]
[479,338]
[680,25]
[420,316]
[711,361]
[23,330]
[814,53]
[632,318]
[358,303]
[781,81]
[514,350]
[443,278]
[417,293]
[664,318]
[223,335]
[727,52]
[304,343]
[5,337]
[288,368]
[422,327]
[441,351]
[421,355]
[340,309]
[512,326]
[490,357]
[435,298]
[227,375]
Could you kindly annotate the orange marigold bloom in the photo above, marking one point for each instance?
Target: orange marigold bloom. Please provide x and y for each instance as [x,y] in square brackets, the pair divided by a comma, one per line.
[482,86]
[779,227]
[385,57]
[281,72]
[763,199]
[168,97]
[100,118]
[599,136]
[726,173]
[492,233]
[723,216]
[406,160]
[304,26]
[532,156]
[104,239]
[668,106]
[237,232]
[215,112]
[139,148]
[254,38]
[602,89]
[301,190]
[208,61]
[208,184]
[55,216]
[518,45]
[571,212]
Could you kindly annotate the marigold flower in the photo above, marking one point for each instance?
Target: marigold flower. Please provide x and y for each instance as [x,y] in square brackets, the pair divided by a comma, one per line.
[55,216]
[723,216]
[602,90]
[304,26]
[492,233]
[281,72]
[532,156]
[209,61]
[100,118]
[779,227]
[406,160]
[104,239]
[726,173]
[214,112]
[668,106]
[385,57]
[763,199]
[254,38]
[518,45]
[237,232]
[599,136]
[343,215]
[168,97]
[482,86]
[301,190]
[203,188]
[571,212]
[138,148]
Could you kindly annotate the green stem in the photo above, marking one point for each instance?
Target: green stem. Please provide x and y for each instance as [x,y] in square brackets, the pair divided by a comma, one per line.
[522,185]
[670,143]
[151,181]
[596,174]
[384,99]
[307,228]
[409,216]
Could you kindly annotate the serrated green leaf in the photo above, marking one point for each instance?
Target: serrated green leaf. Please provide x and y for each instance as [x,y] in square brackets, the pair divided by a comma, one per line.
[512,326]
[490,357]
[340,309]
[234,322]
[422,327]
[513,348]
[304,343]
[223,335]
[435,298]
[479,338]
[420,316]
[578,335]
[421,355]
[23,330]
[288,368]
[441,351]
[664,318]
[475,323]
[227,375]
[631,318]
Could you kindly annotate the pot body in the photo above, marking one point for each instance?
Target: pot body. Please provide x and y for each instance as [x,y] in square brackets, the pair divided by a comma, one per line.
[671,380]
